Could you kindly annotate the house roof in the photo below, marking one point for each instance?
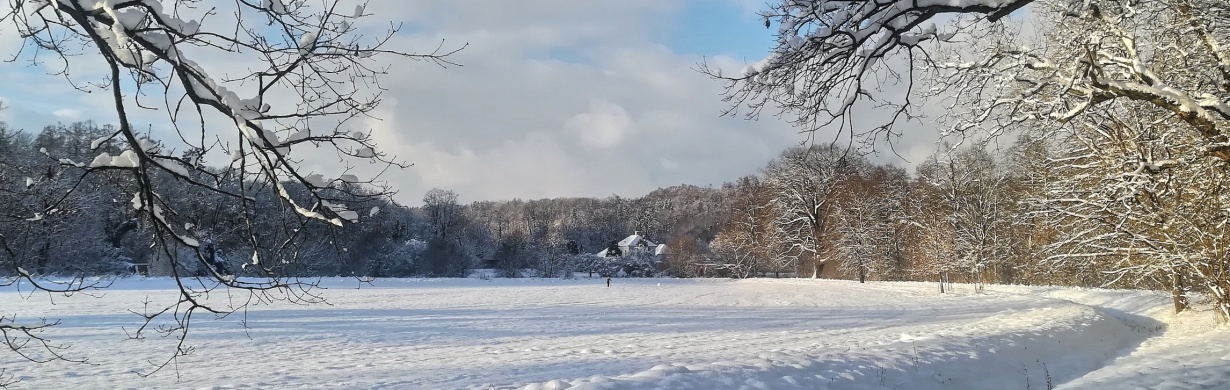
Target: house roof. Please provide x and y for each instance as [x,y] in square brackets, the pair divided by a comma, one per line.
[661,250]
[635,240]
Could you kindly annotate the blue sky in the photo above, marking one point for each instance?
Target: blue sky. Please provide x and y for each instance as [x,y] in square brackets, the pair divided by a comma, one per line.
[730,28]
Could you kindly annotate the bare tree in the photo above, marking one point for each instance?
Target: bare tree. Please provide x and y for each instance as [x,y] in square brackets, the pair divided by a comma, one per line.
[443,212]
[1028,166]
[971,193]
[747,239]
[833,58]
[869,224]
[807,180]
[305,72]
[686,257]
[931,250]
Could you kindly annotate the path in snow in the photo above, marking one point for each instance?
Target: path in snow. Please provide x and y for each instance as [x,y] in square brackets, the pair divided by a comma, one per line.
[649,333]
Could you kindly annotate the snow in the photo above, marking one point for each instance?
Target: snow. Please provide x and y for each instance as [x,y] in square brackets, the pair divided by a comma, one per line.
[349,215]
[275,6]
[126,159]
[102,160]
[307,42]
[300,209]
[644,334]
[98,142]
[173,166]
[633,240]
[759,66]
[298,136]
[258,135]
[365,152]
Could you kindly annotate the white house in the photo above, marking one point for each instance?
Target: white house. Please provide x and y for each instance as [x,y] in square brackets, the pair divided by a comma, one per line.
[633,244]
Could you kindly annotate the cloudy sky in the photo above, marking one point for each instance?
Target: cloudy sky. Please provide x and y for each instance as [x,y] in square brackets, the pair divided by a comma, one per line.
[556,98]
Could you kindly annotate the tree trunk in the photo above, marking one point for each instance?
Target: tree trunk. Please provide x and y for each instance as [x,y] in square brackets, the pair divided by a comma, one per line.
[1221,299]
[1180,300]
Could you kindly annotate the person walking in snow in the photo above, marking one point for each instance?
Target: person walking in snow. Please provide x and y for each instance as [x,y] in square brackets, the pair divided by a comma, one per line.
[608,281]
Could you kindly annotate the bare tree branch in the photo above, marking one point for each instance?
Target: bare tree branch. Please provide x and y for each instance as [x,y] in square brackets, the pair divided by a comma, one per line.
[306,75]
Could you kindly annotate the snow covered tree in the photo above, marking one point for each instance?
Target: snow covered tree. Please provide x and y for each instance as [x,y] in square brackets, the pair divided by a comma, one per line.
[733,254]
[296,74]
[832,56]
[971,192]
[1165,55]
[834,59]
[1139,93]
[511,255]
[807,181]
[929,250]
[1028,166]
[869,224]
[1141,204]
[553,261]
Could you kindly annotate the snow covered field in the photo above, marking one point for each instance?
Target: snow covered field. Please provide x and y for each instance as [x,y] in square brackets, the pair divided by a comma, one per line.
[646,334]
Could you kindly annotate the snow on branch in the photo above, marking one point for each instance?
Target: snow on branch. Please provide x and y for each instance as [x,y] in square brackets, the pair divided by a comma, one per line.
[256,84]
[833,55]
[314,57]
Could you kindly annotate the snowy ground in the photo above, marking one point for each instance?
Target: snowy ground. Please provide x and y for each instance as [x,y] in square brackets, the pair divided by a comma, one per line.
[646,334]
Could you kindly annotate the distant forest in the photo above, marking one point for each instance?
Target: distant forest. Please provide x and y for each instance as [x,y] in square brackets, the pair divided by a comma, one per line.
[967,214]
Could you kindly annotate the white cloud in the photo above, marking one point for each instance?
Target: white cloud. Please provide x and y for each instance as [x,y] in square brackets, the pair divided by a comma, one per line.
[559,98]
[604,125]
[67,114]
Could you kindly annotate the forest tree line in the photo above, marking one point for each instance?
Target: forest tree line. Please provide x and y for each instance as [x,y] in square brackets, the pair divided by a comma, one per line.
[967,214]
